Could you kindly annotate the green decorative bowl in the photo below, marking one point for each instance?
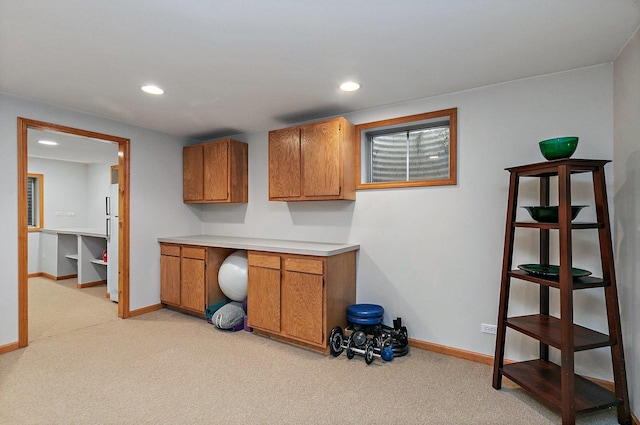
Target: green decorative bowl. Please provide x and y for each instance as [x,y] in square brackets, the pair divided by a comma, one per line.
[550,214]
[560,147]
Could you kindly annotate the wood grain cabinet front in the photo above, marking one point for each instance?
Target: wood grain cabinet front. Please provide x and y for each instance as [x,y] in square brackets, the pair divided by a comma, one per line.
[312,162]
[216,172]
[263,284]
[170,274]
[298,298]
[189,277]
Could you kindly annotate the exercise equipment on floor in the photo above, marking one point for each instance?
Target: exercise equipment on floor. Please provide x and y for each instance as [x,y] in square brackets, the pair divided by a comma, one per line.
[367,336]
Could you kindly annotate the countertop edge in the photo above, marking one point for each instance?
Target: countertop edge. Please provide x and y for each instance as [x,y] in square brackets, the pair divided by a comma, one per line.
[78,232]
[320,249]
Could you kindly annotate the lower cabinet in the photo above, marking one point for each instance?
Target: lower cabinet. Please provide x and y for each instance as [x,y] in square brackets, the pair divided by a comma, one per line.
[294,298]
[189,277]
[300,298]
[192,279]
[170,274]
[263,291]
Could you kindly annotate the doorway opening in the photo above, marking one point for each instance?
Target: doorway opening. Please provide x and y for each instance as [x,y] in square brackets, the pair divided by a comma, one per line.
[121,173]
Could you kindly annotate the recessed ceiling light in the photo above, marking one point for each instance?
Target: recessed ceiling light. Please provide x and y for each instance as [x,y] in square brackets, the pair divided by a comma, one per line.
[350,86]
[151,89]
[47,142]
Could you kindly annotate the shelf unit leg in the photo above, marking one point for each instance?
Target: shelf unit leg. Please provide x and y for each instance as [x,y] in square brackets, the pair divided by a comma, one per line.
[544,259]
[567,383]
[611,296]
[505,284]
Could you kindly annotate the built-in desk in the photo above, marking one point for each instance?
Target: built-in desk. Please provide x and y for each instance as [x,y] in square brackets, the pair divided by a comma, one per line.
[74,253]
[297,291]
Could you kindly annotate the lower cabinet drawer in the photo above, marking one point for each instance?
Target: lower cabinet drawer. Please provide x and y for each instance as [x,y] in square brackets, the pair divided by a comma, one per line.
[265,261]
[172,250]
[303,265]
[195,253]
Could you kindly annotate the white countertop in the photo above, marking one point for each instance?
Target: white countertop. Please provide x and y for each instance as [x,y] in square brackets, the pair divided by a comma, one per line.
[321,249]
[96,233]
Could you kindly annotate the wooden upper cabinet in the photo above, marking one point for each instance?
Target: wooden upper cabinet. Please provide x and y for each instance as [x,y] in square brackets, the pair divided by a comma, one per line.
[321,159]
[216,172]
[216,177]
[284,163]
[312,162]
[192,171]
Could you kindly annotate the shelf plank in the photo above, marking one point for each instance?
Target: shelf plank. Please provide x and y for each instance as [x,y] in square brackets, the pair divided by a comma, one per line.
[550,168]
[576,225]
[547,329]
[99,262]
[542,379]
[72,256]
[578,283]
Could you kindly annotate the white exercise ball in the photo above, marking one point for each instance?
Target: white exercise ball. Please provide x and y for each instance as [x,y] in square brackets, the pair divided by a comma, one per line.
[232,276]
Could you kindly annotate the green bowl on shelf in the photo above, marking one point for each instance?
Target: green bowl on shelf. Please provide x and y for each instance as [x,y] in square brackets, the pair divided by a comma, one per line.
[550,214]
[560,147]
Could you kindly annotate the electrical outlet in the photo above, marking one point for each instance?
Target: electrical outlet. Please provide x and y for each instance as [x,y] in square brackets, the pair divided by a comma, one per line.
[488,329]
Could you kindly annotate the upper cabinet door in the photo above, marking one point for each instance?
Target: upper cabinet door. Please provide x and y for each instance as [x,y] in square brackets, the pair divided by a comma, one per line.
[284,163]
[192,168]
[321,159]
[216,171]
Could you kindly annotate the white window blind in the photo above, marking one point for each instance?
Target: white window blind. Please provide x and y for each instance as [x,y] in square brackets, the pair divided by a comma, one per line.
[410,154]
[31,192]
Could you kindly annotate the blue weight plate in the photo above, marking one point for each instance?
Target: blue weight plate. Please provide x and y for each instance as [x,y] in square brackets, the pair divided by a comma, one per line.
[365,310]
[365,321]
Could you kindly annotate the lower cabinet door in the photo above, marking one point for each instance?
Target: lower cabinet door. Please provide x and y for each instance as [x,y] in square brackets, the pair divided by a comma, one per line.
[170,279]
[192,291]
[263,298]
[302,306]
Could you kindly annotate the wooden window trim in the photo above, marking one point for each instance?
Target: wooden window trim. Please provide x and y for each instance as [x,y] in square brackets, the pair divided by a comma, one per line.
[452,114]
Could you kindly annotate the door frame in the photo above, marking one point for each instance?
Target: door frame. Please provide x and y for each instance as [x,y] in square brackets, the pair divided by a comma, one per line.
[25,124]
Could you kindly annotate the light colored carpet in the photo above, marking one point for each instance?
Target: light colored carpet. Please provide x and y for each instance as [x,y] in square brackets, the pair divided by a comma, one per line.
[168,368]
[59,306]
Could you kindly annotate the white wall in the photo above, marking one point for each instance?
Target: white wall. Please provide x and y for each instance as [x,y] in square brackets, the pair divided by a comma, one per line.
[74,198]
[627,205]
[433,255]
[156,200]
[65,192]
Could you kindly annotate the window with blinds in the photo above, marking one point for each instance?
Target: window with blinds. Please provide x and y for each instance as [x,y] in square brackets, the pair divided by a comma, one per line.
[407,155]
[34,201]
[418,150]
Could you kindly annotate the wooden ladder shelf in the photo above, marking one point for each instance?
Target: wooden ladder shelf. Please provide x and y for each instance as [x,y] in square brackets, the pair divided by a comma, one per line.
[557,385]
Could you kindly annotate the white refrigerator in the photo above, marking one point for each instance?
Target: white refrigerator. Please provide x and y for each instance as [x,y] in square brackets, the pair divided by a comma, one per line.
[112,242]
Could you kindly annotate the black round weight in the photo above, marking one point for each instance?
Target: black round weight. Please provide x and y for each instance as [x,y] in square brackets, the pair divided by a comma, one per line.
[368,353]
[335,341]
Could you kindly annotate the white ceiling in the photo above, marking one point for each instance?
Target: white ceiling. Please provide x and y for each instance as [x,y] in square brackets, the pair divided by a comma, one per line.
[241,66]
[71,148]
